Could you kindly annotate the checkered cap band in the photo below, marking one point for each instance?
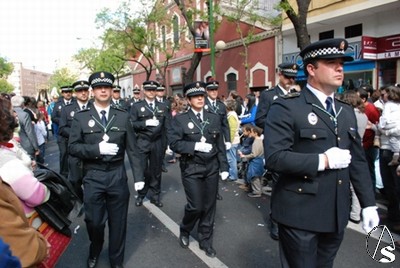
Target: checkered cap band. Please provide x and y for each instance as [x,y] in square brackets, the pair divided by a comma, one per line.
[195,90]
[323,52]
[102,80]
[150,86]
[289,70]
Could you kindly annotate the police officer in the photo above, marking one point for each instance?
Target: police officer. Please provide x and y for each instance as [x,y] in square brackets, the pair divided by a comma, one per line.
[311,141]
[150,121]
[116,100]
[100,137]
[66,99]
[81,89]
[287,73]
[197,136]
[160,97]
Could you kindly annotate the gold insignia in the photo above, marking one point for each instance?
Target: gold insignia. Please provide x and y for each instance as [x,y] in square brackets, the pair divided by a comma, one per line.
[101,75]
[82,83]
[294,67]
[342,45]
[197,84]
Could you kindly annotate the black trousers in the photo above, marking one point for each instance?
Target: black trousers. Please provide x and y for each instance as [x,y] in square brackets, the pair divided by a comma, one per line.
[201,186]
[106,198]
[63,147]
[152,159]
[391,184]
[301,248]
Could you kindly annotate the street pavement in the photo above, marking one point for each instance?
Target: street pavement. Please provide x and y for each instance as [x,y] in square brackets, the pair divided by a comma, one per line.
[241,238]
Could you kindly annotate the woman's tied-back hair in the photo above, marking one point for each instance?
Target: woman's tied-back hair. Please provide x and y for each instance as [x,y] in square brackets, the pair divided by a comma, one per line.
[7,121]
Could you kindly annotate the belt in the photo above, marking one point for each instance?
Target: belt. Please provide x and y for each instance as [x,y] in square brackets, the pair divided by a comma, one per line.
[104,165]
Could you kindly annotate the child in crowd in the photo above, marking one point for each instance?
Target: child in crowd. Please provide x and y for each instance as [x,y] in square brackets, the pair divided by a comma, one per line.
[255,168]
[390,122]
[41,135]
[245,148]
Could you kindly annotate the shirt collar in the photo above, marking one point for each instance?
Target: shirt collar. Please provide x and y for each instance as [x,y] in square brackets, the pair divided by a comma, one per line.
[321,96]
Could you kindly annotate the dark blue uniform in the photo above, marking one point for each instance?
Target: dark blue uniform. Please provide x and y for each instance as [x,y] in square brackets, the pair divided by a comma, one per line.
[106,191]
[199,170]
[151,145]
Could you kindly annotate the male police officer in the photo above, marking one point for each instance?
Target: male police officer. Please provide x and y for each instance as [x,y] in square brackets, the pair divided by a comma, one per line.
[81,89]
[160,97]
[197,136]
[116,100]
[100,136]
[150,120]
[66,99]
[311,141]
[287,73]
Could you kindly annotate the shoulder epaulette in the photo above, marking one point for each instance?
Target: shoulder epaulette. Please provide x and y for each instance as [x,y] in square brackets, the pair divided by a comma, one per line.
[291,95]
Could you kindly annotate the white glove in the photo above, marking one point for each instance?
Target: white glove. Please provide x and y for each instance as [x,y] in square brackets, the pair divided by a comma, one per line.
[370,218]
[169,151]
[108,148]
[224,175]
[152,123]
[338,158]
[139,185]
[203,147]
[228,145]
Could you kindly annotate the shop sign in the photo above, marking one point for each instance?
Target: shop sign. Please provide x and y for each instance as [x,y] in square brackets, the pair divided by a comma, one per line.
[378,48]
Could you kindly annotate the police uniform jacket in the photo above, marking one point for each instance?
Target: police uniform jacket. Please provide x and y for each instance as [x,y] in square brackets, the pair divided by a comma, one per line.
[122,104]
[67,115]
[298,129]
[140,112]
[267,97]
[221,111]
[87,132]
[56,113]
[184,134]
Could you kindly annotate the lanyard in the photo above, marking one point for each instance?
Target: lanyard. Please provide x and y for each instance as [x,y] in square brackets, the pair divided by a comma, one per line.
[333,118]
[201,128]
[105,128]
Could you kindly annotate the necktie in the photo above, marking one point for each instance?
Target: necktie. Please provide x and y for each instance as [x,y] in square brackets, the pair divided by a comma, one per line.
[83,107]
[199,117]
[67,103]
[117,102]
[103,118]
[213,105]
[329,107]
[151,106]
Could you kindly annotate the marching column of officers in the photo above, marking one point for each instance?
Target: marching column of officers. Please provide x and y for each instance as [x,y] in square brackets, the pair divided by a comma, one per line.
[311,147]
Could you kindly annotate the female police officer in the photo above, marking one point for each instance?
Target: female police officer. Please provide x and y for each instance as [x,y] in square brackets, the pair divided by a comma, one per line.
[197,136]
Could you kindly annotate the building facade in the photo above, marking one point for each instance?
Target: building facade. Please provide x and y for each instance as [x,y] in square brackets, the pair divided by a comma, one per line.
[372,29]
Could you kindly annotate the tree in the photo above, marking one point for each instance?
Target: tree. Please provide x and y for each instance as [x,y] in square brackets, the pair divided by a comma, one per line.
[62,77]
[6,69]
[298,19]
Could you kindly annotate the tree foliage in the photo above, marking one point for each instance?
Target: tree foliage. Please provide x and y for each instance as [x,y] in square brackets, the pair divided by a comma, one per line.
[6,69]
[62,77]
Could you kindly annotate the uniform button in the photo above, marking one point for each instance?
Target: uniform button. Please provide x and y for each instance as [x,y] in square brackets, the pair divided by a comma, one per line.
[338,138]
[305,177]
[300,189]
[314,136]
[339,181]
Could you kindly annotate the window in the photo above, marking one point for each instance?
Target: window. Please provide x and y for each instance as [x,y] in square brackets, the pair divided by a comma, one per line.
[326,35]
[163,36]
[232,81]
[353,31]
[175,27]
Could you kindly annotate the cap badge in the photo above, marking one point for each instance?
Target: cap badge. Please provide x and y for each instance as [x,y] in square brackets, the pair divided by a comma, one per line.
[294,67]
[341,45]
[197,84]
[102,75]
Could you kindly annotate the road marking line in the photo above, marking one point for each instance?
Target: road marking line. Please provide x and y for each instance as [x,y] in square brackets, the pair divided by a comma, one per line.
[174,228]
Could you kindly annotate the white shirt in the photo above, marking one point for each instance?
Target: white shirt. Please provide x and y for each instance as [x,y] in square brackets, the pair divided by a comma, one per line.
[322,97]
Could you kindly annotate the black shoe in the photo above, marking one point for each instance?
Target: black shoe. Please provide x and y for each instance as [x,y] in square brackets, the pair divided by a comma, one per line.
[117,266]
[139,201]
[210,252]
[355,221]
[273,229]
[92,262]
[184,240]
[219,197]
[156,203]
[163,169]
